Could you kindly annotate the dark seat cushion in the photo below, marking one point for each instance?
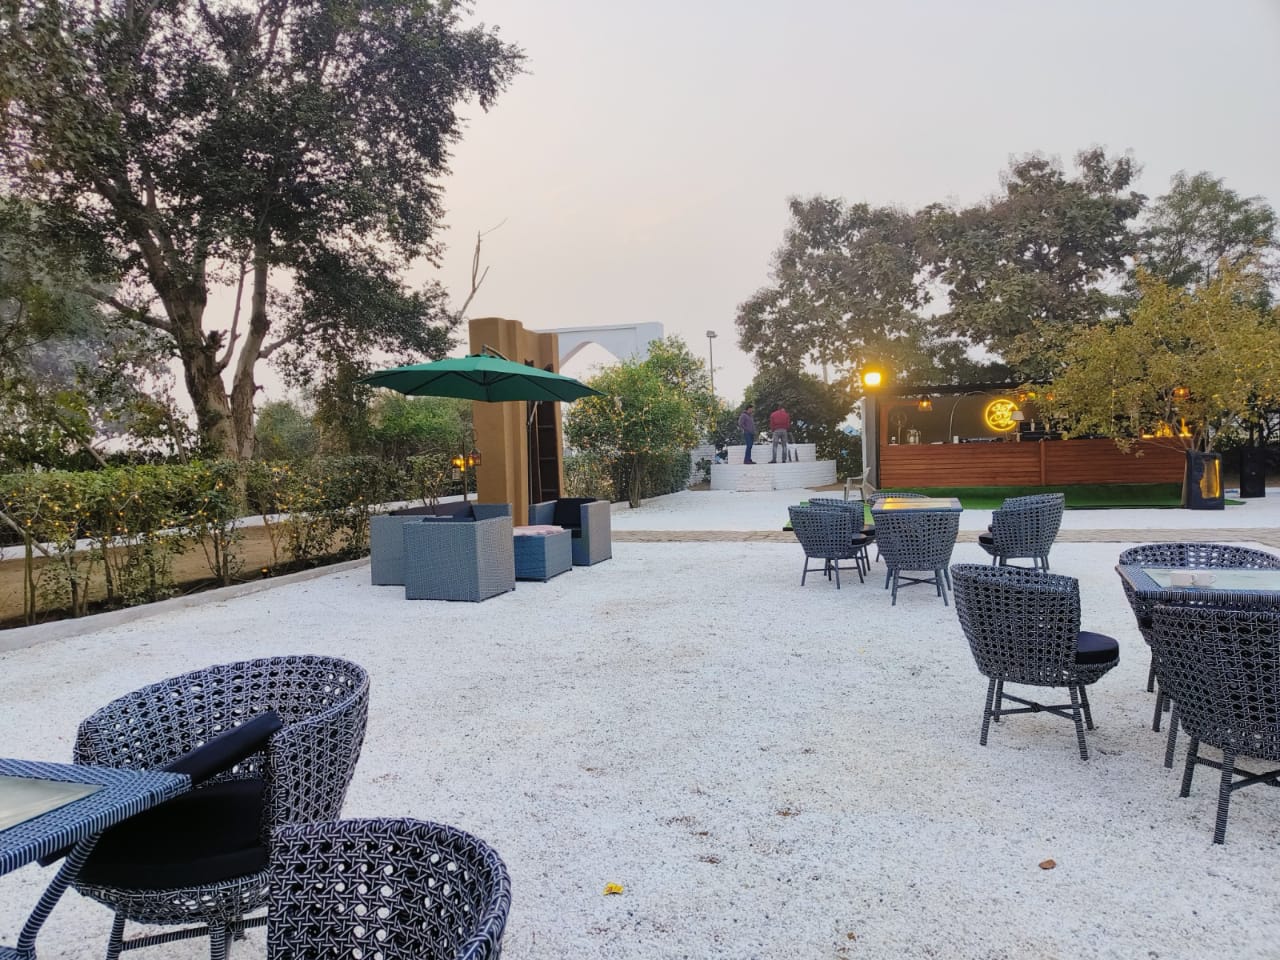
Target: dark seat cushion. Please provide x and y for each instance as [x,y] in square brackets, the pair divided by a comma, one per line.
[205,836]
[568,512]
[987,538]
[1096,648]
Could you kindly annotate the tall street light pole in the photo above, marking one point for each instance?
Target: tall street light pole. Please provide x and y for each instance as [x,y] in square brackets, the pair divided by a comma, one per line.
[711,359]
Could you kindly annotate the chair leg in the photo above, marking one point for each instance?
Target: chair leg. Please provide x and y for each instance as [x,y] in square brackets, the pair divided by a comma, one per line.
[1173,736]
[941,577]
[1084,702]
[835,565]
[1151,675]
[805,573]
[1224,795]
[1193,749]
[894,603]
[115,943]
[999,701]
[219,945]
[1155,720]
[986,712]
[1076,713]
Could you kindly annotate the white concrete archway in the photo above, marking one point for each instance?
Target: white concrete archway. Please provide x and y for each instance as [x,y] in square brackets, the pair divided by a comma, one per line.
[624,340]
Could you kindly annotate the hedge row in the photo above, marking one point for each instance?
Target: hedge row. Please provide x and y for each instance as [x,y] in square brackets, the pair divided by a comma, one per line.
[137,519]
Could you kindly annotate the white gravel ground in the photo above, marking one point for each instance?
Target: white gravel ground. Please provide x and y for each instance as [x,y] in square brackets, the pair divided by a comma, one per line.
[769,770]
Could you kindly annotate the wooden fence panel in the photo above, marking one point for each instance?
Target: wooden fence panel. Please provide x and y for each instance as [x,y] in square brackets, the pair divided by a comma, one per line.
[1039,463]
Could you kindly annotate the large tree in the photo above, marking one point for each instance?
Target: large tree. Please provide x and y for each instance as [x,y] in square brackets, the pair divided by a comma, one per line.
[1023,269]
[272,145]
[1200,225]
[843,287]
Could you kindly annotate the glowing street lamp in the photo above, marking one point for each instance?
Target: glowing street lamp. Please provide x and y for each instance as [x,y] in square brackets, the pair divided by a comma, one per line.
[871,381]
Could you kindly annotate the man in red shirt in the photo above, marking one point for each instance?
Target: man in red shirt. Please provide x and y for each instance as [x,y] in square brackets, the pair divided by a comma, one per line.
[779,423]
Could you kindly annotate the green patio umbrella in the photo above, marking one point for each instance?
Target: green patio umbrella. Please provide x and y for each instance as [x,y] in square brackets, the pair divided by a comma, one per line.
[480,377]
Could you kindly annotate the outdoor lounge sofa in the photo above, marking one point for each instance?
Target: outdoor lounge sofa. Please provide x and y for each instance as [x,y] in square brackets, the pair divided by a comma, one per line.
[458,558]
[386,534]
[587,519]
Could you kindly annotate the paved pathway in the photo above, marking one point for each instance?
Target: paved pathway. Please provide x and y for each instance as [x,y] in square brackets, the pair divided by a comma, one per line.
[1269,536]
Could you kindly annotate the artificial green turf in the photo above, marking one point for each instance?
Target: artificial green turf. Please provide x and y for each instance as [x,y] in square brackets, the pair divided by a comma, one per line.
[1090,496]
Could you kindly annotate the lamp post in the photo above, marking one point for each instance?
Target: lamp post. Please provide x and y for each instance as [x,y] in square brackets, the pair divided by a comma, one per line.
[871,381]
[711,359]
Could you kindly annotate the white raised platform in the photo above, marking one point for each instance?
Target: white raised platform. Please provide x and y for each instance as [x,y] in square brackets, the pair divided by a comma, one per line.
[763,475]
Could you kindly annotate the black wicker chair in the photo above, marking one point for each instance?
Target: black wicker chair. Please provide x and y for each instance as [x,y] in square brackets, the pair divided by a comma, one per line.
[1023,626]
[386,889]
[1195,556]
[826,535]
[916,541]
[1024,528]
[1222,668]
[202,857]
[861,535]
[873,501]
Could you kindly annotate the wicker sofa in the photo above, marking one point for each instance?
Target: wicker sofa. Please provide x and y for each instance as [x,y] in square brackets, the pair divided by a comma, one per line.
[587,519]
[458,558]
[386,534]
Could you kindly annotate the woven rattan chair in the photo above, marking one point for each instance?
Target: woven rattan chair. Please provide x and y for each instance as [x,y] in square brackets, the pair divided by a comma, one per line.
[1196,556]
[590,521]
[825,535]
[1023,626]
[873,501]
[386,889]
[203,857]
[919,542]
[861,535]
[1222,668]
[1024,528]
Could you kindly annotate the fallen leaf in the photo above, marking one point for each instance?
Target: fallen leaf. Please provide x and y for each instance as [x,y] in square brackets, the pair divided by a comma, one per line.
[1048,864]
[610,888]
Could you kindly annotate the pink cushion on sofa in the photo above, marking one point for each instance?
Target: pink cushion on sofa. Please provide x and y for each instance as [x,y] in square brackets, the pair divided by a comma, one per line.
[537,530]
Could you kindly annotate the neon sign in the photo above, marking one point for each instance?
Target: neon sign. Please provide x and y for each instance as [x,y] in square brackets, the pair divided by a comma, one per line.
[998,415]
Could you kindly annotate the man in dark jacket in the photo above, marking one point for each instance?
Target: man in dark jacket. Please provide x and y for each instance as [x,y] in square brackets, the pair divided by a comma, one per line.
[747,424]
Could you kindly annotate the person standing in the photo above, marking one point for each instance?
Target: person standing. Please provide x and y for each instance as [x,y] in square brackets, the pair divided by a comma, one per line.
[779,423]
[747,424]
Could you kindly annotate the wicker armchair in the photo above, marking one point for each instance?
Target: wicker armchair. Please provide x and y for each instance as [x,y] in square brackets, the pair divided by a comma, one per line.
[1023,626]
[392,889]
[1201,556]
[861,535]
[1222,668]
[1024,527]
[450,560]
[589,520]
[386,534]
[825,535]
[874,498]
[219,835]
[916,541]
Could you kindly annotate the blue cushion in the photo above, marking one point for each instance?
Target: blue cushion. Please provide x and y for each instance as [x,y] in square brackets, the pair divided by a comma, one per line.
[1096,648]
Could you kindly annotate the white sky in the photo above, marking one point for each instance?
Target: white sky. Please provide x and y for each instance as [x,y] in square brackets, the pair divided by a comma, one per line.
[643,163]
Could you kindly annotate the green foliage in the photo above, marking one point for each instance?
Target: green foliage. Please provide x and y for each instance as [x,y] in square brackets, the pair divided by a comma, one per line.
[649,413]
[663,473]
[177,146]
[431,476]
[816,408]
[285,432]
[405,426]
[845,291]
[588,475]
[1024,270]
[1200,224]
[135,519]
[1214,342]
